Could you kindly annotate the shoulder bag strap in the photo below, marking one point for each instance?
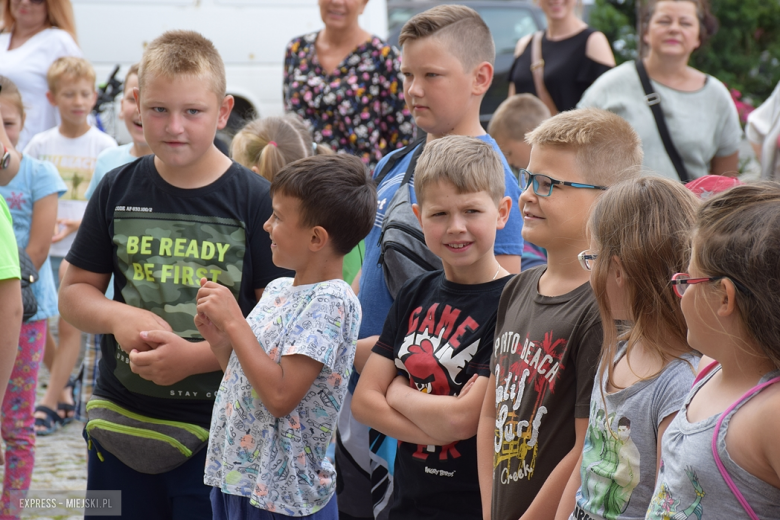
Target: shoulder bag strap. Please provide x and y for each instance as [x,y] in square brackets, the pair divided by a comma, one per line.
[392,161]
[653,100]
[729,481]
[537,71]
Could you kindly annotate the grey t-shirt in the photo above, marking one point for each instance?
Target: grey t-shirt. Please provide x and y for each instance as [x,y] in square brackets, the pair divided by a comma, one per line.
[703,124]
[619,458]
[689,483]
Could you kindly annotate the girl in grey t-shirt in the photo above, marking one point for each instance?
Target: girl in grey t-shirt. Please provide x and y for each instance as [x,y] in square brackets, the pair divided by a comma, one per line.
[720,456]
[639,234]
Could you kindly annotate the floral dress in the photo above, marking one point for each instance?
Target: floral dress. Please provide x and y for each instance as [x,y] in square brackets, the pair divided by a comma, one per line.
[359,108]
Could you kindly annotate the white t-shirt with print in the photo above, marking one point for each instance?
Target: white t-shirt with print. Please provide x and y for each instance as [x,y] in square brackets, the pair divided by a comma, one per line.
[280,463]
[75,159]
[27,66]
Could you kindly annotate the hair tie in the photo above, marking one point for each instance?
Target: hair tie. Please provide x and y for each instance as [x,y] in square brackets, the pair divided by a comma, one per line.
[272,143]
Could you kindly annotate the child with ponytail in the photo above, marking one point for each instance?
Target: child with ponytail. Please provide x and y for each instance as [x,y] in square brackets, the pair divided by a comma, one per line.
[720,456]
[267,145]
[639,237]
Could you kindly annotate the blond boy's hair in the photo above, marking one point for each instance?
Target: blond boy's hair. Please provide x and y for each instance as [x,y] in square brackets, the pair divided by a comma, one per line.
[132,71]
[468,163]
[464,31]
[183,53]
[69,68]
[607,148]
[517,116]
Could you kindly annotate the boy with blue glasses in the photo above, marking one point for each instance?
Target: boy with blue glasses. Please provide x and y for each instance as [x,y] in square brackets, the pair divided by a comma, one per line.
[548,332]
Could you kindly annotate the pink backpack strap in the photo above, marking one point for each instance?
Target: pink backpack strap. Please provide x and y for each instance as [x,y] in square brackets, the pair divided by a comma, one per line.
[704,371]
[718,462]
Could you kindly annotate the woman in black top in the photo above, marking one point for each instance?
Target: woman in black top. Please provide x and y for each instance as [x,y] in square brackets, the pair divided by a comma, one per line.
[574,56]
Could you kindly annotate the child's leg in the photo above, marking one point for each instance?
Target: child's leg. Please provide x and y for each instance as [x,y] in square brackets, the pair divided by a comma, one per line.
[17,421]
[232,507]
[64,360]
[179,494]
[50,349]
[92,357]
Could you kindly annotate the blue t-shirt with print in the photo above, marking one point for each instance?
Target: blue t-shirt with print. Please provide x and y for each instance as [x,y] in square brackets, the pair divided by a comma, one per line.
[35,180]
[374,297]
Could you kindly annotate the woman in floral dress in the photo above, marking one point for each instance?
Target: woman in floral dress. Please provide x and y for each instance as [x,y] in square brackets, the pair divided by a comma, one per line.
[346,84]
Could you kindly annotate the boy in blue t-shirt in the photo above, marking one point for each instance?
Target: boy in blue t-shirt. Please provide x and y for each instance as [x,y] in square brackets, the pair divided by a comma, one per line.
[447,64]
[287,365]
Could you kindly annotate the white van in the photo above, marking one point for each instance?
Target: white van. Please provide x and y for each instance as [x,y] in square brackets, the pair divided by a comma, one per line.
[251,36]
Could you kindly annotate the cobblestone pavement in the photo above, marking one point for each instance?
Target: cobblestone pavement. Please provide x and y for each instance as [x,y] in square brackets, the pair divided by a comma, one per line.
[60,466]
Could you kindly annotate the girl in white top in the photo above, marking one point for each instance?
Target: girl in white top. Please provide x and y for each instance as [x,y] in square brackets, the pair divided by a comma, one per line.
[35,33]
[698,110]
[639,235]
[731,302]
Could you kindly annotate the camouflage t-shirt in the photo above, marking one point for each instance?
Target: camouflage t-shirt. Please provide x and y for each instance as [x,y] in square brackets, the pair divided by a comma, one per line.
[281,463]
[158,241]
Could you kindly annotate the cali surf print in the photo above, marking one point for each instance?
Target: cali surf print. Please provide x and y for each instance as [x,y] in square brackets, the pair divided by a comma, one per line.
[522,366]
[434,358]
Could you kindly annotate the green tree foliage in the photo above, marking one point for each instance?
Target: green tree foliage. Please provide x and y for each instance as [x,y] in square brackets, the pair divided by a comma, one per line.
[744,53]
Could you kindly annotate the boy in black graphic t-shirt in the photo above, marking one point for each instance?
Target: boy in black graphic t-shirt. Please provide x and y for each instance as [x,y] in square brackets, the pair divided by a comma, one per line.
[426,377]
[159,224]
[548,333]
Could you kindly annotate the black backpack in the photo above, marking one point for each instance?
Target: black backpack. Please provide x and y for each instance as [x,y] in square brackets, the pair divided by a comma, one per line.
[404,254]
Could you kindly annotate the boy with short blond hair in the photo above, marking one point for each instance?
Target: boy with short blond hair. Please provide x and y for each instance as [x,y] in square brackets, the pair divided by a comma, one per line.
[548,333]
[438,335]
[512,121]
[73,148]
[158,225]
[447,65]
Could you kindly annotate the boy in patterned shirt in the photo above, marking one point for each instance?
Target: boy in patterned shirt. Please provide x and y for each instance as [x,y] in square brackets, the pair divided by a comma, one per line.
[287,365]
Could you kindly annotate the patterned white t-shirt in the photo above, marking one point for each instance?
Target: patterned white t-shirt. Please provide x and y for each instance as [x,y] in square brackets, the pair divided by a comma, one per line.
[280,463]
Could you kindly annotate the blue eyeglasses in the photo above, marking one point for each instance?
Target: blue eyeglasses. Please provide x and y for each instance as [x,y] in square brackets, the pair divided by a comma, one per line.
[543,185]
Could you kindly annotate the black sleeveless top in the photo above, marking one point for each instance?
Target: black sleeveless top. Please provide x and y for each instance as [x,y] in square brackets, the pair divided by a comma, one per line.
[567,71]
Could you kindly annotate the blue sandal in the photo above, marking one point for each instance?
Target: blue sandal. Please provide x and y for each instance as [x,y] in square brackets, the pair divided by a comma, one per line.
[50,424]
[68,409]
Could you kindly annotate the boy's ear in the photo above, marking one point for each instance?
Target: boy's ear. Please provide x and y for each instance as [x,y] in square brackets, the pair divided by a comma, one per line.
[319,239]
[224,111]
[504,207]
[50,97]
[417,213]
[483,78]
[94,100]
[137,97]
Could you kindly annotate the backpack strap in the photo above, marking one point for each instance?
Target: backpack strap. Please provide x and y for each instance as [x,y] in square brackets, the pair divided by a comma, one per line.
[719,463]
[395,158]
[653,100]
